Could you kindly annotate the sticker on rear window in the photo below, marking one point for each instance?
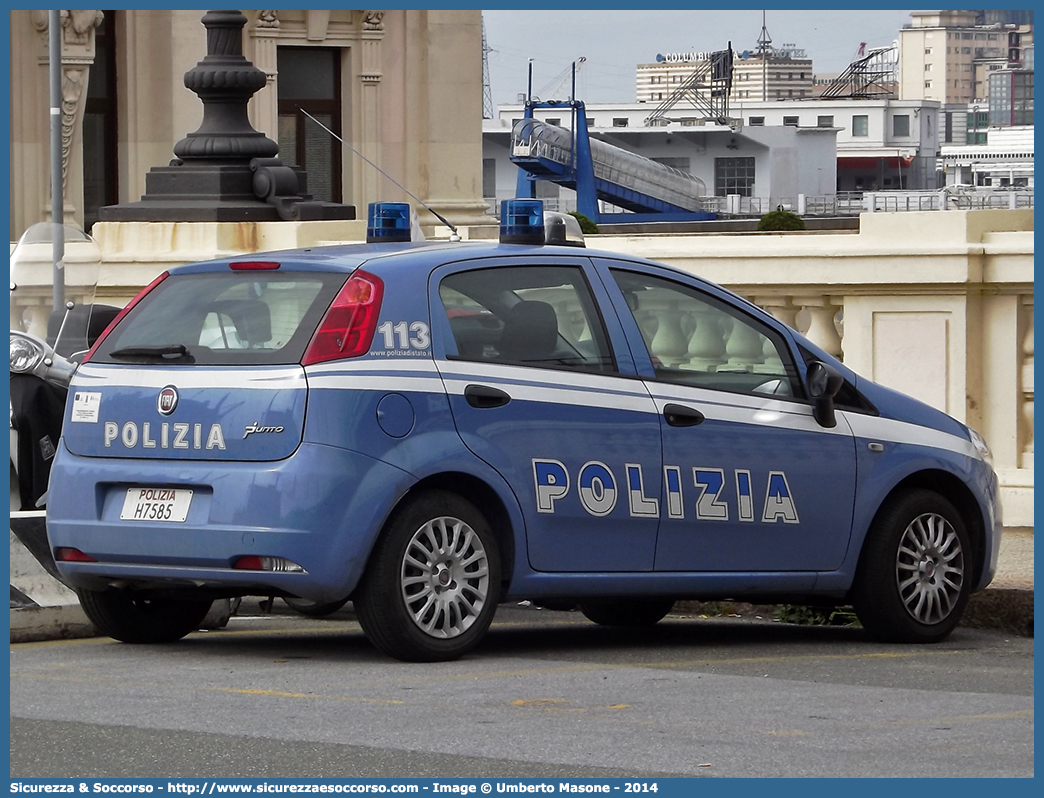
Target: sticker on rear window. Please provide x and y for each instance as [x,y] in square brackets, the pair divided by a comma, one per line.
[86,405]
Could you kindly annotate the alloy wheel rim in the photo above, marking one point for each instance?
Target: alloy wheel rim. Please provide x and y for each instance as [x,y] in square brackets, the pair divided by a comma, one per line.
[930,568]
[445,577]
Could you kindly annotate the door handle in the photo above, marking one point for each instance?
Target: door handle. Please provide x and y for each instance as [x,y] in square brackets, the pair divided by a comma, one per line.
[682,416]
[483,396]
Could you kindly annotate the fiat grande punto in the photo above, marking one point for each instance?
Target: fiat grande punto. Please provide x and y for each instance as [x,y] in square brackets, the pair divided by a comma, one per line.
[431,428]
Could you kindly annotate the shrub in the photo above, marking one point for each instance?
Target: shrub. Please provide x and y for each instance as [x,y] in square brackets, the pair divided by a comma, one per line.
[586,225]
[781,220]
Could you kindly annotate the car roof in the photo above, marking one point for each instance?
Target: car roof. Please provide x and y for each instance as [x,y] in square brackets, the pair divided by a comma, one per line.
[348,257]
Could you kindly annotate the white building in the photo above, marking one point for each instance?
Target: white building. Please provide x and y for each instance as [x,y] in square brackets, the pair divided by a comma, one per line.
[1006,161]
[780,149]
[764,165]
[890,143]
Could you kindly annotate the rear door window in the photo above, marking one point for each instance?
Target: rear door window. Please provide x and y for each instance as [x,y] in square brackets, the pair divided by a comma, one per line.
[223,319]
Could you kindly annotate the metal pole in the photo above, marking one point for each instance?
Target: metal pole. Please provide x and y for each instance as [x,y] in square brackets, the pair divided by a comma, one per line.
[57,197]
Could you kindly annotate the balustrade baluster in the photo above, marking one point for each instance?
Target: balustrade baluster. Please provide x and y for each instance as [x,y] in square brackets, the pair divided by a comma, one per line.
[822,330]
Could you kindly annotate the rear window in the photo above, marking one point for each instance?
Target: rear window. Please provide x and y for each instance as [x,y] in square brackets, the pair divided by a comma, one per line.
[223,319]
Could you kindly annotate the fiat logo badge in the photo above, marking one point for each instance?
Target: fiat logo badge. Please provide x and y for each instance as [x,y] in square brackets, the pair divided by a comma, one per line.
[167,401]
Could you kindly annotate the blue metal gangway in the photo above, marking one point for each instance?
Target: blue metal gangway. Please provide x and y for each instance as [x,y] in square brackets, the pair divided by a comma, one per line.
[600,171]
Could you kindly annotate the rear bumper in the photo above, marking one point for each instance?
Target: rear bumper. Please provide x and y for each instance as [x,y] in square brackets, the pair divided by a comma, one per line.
[321,508]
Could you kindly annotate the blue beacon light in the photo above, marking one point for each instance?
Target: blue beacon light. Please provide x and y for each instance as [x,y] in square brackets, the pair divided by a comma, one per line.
[388,223]
[522,221]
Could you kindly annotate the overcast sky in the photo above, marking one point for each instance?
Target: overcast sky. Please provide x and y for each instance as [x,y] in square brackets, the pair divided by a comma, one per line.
[615,41]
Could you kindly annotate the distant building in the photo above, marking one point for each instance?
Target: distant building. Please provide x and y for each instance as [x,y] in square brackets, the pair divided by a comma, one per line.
[977,64]
[940,50]
[782,73]
[1011,97]
[765,166]
[1004,161]
[881,144]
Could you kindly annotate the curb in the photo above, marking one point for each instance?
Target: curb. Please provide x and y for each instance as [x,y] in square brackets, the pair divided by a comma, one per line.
[33,624]
[1004,609]
[42,607]
[1001,609]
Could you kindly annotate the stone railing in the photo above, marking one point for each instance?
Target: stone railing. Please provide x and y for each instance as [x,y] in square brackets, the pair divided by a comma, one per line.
[937,305]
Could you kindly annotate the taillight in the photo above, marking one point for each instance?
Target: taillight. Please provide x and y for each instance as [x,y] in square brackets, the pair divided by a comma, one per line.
[347,328]
[252,562]
[69,554]
[124,312]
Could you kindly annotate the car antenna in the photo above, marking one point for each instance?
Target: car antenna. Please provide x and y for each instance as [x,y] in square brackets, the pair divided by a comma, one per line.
[455,236]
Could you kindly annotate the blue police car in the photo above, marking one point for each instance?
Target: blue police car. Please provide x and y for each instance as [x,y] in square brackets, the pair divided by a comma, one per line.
[431,428]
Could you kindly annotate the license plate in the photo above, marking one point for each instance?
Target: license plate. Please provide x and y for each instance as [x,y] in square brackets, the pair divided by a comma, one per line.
[156,504]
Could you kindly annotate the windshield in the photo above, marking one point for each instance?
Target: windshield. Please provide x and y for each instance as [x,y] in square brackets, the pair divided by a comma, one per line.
[52,266]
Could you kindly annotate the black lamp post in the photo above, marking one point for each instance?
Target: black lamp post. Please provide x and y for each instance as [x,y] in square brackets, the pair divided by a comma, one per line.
[225,171]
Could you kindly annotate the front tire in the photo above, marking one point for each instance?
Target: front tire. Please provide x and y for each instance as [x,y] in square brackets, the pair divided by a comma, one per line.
[634,613]
[914,578]
[431,588]
[122,615]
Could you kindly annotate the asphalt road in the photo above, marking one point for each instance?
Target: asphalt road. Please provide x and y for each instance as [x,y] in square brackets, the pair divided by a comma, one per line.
[547,694]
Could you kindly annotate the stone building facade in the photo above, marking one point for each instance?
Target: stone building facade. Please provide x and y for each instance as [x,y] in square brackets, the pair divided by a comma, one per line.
[397,86]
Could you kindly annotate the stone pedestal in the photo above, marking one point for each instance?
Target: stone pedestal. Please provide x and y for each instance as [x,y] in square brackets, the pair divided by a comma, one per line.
[225,171]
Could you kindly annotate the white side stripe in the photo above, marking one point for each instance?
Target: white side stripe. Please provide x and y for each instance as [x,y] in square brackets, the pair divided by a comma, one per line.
[563,396]
[270,378]
[420,365]
[376,382]
[474,372]
[892,431]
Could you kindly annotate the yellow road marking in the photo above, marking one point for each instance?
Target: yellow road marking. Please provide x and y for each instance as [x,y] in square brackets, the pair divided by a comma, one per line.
[282,694]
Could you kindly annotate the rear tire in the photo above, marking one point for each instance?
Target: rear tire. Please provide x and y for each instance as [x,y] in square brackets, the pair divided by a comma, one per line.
[915,574]
[432,585]
[630,612]
[123,616]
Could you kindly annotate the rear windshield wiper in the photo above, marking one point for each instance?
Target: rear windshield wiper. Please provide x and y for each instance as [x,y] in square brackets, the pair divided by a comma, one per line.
[165,352]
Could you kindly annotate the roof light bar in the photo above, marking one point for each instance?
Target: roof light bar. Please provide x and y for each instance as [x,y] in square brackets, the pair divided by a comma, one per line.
[563,229]
[388,223]
[522,221]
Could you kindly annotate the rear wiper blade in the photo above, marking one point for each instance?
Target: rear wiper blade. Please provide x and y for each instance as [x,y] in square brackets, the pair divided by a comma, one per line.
[166,352]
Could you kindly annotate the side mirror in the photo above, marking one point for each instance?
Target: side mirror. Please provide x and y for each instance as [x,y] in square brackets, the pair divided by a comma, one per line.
[823,384]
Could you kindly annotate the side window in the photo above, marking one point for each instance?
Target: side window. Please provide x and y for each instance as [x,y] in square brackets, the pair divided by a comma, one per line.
[530,315]
[695,339]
